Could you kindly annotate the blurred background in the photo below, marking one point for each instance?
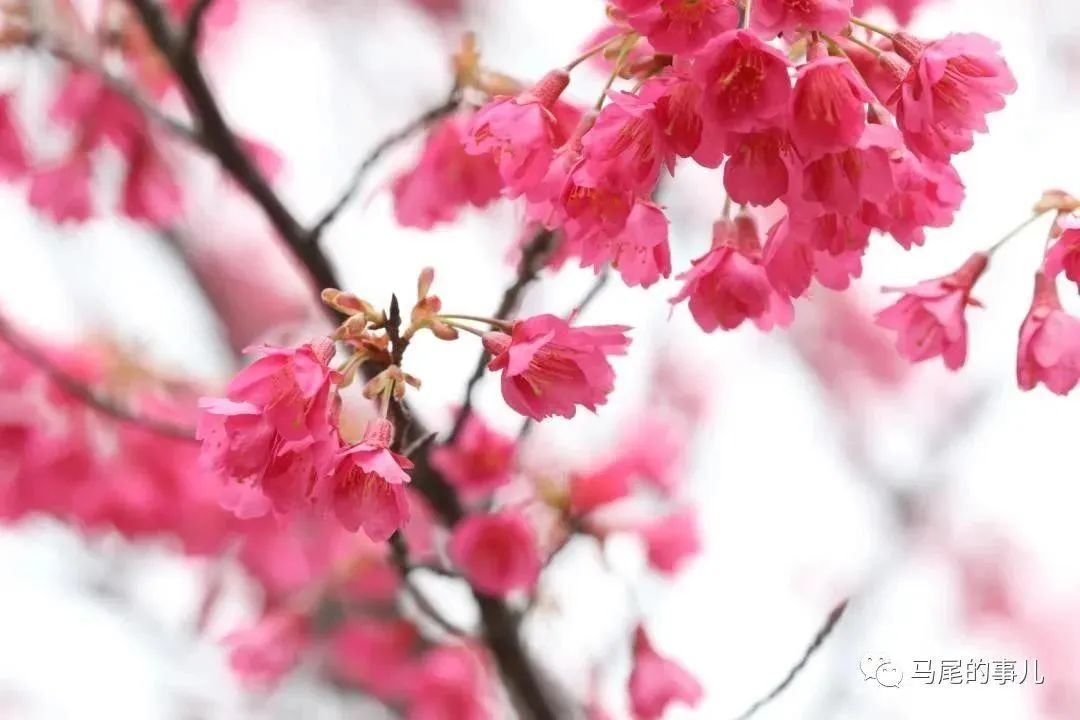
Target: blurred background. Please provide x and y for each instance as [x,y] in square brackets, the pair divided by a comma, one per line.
[822,467]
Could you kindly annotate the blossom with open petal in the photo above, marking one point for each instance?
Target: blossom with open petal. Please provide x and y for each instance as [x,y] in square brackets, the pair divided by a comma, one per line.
[550,367]
[929,317]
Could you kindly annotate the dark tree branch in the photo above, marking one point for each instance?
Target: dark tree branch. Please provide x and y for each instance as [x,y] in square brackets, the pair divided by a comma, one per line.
[815,645]
[422,122]
[78,389]
[501,625]
[533,258]
[220,141]
[193,24]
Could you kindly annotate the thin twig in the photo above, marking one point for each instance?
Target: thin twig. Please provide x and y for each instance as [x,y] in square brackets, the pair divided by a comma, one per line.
[815,645]
[400,554]
[78,389]
[436,569]
[419,444]
[129,91]
[533,258]
[422,122]
[594,291]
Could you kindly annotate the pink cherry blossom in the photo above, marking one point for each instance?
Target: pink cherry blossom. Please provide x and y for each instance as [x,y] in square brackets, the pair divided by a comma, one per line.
[151,484]
[479,461]
[261,655]
[97,113]
[520,133]
[713,147]
[549,367]
[728,284]
[150,192]
[836,234]
[828,106]
[653,449]
[367,490]
[1049,349]
[844,179]
[1064,254]
[589,203]
[745,84]
[14,161]
[903,10]
[789,257]
[951,86]
[47,452]
[450,683]
[848,352]
[657,682]
[639,252]
[273,437]
[444,179]
[989,578]
[595,488]
[676,99]
[286,554]
[628,141]
[683,26]
[773,17]
[422,529]
[927,194]
[441,8]
[672,540]
[758,171]
[634,7]
[497,553]
[376,655]
[62,191]
[837,271]
[929,318]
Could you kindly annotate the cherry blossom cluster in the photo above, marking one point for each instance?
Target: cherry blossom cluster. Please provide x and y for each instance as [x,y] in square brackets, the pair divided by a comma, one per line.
[65,459]
[833,126]
[842,129]
[311,465]
[266,465]
[930,318]
[280,442]
[277,436]
[98,119]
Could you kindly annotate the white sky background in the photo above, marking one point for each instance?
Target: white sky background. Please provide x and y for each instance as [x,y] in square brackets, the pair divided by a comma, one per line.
[788,528]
